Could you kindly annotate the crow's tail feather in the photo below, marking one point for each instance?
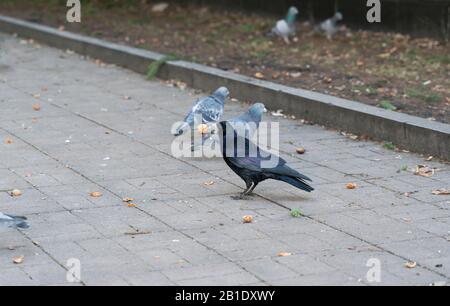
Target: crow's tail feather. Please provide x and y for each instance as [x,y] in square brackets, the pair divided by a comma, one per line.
[296,183]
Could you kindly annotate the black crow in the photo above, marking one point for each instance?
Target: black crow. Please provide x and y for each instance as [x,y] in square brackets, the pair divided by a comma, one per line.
[254,165]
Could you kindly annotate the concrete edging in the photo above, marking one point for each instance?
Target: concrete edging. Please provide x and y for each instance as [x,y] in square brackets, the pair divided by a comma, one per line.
[408,132]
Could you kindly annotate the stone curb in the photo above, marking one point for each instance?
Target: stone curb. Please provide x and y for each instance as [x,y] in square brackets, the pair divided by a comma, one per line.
[408,132]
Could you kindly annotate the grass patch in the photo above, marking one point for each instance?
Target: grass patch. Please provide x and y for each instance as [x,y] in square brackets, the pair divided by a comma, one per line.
[296,213]
[154,67]
[387,105]
[441,59]
[389,146]
[424,95]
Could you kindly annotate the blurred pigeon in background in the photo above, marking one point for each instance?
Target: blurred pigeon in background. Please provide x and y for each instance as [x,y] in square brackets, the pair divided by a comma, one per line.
[330,26]
[209,109]
[12,221]
[286,27]
[249,121]
[254,165]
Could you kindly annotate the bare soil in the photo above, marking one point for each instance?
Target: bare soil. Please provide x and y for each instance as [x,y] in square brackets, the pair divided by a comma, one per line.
[380,69]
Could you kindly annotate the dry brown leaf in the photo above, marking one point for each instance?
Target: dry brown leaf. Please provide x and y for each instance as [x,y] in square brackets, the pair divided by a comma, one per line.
[441,192]
[247,219]
[300,150]
[284,254]
[96,194]
[16,193]
[8,140]
[131,205]
[127,200]
[19,259]
[36,107]
[424,170]
[351,186]
[259,75]
[411,265]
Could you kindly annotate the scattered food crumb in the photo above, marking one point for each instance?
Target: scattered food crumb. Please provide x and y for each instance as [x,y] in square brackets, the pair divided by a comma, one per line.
[411,265]
[8,140]
[96,194]
[16,193]
[300,150]
[19,259]
[351,186]
[247,219]
[209,183]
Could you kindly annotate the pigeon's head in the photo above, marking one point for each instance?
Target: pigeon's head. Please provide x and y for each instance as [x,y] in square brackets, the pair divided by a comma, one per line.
[293,11]
[257,110]
[338,16]
[222,93]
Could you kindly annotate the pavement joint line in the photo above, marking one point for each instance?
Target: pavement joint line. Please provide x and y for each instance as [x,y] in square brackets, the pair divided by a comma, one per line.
[155,148]
[119,197]
[268,199]
[204,171]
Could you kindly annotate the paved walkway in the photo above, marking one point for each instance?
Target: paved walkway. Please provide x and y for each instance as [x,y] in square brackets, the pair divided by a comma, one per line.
[104,129]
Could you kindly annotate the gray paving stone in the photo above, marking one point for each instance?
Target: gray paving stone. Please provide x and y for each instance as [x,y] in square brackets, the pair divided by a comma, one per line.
[87,137]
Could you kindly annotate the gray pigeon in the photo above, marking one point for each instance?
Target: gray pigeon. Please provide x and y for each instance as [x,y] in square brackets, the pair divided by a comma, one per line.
[250,120]
[329,27]
[209,109]
[12,221]
[286,27]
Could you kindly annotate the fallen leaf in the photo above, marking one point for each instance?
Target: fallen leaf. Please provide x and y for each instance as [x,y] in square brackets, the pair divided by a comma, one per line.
[127,200]
[209,183]
[16,193]
[441,192]
[284,254]
[37,96]
[259,75]
[96,194]
[160,7]
[247,219]
[8,140]
[351,186]
[429,158]
[36,107]
[131,205]
[19,259]
[300,150]
[411,265]
[424,170]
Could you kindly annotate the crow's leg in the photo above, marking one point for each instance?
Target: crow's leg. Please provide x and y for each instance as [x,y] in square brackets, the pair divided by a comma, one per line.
[250,192]
[250,187]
